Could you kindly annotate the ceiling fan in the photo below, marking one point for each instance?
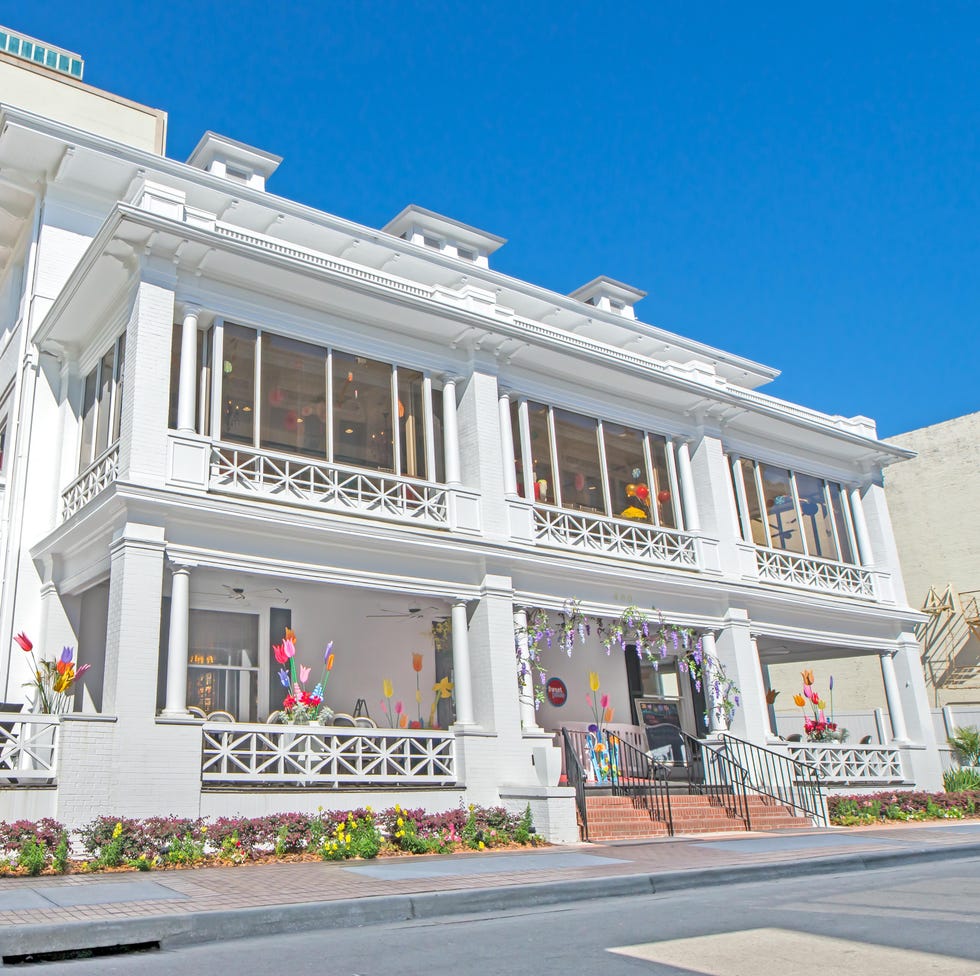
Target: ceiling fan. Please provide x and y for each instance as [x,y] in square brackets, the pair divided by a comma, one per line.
[412,613]
[242,593]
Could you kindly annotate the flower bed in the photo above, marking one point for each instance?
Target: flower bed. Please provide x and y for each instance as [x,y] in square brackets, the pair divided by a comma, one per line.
[872,808]
[108,843]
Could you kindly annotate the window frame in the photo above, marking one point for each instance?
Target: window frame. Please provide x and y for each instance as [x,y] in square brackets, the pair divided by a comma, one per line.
[114,406]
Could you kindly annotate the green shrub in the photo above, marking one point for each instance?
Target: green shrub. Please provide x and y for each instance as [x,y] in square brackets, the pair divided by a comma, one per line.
[60,859]
[955,780]
[524,832]
[187,849]
[33,856]
[965,743]
[111,853]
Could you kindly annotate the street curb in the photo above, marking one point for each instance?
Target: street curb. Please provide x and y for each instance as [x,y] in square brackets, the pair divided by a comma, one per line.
[200,927]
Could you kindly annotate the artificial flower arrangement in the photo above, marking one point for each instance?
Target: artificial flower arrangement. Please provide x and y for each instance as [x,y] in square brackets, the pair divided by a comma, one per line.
[604,745]
[53,680]
[300,707]
[819,728]
[395,711]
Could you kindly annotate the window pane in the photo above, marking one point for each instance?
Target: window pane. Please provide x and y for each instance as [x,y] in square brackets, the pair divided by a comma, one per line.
[541,474]
[294,397]
[780,510]
[120,377]
[577,447]
[174,373]
[515,433]
[238,385]
[411,423]
[816,517]
[439,445]
[666,511]
[629,490]
[362,412]
[752,503]
[88,419]
[838,500]
[105,402]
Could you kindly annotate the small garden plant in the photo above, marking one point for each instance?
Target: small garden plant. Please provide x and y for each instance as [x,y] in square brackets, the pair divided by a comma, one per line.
[45,846]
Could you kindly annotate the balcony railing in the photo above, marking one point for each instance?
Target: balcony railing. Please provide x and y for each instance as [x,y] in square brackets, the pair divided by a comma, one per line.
[28,749]
[101,473]
[246,471]
[810,573]
[600,534]
[850,765]
[327,756]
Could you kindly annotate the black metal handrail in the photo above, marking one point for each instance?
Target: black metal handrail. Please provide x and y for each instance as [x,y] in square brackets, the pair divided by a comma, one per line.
[714,774]
[633,773]
[789,781]
[575,776]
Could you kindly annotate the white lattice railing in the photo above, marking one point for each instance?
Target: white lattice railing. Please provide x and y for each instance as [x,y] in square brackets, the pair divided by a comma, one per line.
[815,574]
[852,765]
[326,755]
[101,473]
[300,481]
[28,748]
[597,533]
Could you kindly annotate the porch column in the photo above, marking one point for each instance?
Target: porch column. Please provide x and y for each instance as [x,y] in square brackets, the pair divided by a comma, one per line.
[187,388]
[529,718]
[716,717]
[180,608]
[692,520]
[450,432]
[861,534]
[462,685]
[760,677]
[507,445]
[893,696]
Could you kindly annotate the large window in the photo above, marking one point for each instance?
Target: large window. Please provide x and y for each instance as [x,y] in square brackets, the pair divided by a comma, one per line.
[577,462]
[222,663]
[102,404]
[288,396]
[782,509]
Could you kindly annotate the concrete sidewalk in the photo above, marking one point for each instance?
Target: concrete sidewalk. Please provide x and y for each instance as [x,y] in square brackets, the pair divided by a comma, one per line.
[178,907]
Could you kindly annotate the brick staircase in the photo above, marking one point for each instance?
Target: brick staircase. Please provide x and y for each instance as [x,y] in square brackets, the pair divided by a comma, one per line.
[622,818]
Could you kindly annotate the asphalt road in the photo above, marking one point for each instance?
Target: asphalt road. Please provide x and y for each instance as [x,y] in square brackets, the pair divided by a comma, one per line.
[922,920]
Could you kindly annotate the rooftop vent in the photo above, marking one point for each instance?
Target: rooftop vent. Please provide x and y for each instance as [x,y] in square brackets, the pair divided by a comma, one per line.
[39,52]
[432,230]
[609,295]
[234,160]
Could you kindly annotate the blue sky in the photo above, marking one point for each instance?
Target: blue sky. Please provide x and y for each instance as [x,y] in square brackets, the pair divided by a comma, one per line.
[797,185]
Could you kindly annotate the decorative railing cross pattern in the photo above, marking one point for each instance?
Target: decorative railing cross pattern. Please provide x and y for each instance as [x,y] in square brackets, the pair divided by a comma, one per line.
[318,483]
[597,533]
[317,754]
[28,748]
[819,574]
[850,764]
[101,473]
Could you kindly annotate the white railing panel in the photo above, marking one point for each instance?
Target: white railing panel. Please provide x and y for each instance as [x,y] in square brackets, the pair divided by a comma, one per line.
[101,473]
[246,471]
[599,534]
[327,755]
[854,765]
[809,573]
[28,748]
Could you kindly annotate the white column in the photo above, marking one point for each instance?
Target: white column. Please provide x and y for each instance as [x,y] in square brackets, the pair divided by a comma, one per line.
[741,502]
[692,521]
[761,682]
[187,388]
[716,717]
[861,528]
[180,609]
[450,432]
[893,697]
[507,446]
[528,715]
[462,686]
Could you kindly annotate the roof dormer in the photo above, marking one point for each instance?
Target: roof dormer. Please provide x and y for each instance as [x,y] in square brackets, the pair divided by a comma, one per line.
[233,160]
[450,237]
[609,295]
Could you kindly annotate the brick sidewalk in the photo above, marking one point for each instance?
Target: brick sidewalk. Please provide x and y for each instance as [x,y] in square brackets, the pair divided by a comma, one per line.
[102,897]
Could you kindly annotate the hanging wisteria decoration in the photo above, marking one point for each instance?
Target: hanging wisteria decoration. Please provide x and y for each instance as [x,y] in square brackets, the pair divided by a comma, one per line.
[648,633]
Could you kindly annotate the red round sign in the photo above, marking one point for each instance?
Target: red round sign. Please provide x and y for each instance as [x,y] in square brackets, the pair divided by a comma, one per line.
[557,692]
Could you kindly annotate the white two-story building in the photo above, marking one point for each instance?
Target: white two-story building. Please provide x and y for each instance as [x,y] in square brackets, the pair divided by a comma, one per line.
[224,413]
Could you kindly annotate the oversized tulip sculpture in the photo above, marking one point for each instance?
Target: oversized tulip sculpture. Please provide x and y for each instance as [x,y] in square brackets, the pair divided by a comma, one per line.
[818,727]
[52,681]
[300,706]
